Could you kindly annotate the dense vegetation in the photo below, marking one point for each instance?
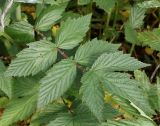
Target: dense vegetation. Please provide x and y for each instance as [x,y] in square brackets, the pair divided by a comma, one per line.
[79,63]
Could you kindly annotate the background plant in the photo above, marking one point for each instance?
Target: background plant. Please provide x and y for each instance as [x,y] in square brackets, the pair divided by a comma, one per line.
[65,63]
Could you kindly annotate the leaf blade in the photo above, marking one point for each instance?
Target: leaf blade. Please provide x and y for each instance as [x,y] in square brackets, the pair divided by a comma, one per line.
[68,36]
[38,57]
[57,81]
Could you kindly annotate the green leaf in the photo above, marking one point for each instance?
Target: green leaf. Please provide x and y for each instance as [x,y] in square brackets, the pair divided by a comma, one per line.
[2,67]
[136,17]
[72,31]
[21,32]
[152,91]
[18,110]
[81,117]
[5,82]
[92,93]
[90,51]
[133,122]
[57,81]
[49,17]
[154,95]
[143,79]
[125,106]
[106,5]
[25,86]
[150,38]
[117,62]
[83,2]
[38,57]
[120,84]
[48,114]
[135,21]
[131,34]
[149,4]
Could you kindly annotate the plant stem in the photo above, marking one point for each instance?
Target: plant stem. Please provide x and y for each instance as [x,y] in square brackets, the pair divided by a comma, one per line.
[106,26]
[116,13]
[154,72]
[63,53]
[132,49]
[18,13]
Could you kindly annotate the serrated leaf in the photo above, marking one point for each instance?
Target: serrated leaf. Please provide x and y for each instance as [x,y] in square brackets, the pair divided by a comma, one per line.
[5,82]
[72,31]
[83,2]
[49,17]
[133,122]
[149,4]
[106,5]
[57,81]
[18,110]
[121,85]
[136,17]
[117,62]
[150,38]
[135,21]
[38,57]
[92,93]
[21,32]
[90,51]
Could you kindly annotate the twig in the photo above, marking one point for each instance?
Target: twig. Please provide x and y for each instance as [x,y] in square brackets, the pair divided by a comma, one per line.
[63,53]
[154,73]
[5,11]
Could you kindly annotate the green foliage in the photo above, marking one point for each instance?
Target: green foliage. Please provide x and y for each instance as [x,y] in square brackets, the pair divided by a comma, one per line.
[150,4]
[135,21]
[92,93]
[106,5]
[88,52]
[117,62]
[19,109]
[38,57]
[57,81]
[21,32]
[5,82]
[150,38]
[136,122]
[49,17]
[68,36]
[62,64]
